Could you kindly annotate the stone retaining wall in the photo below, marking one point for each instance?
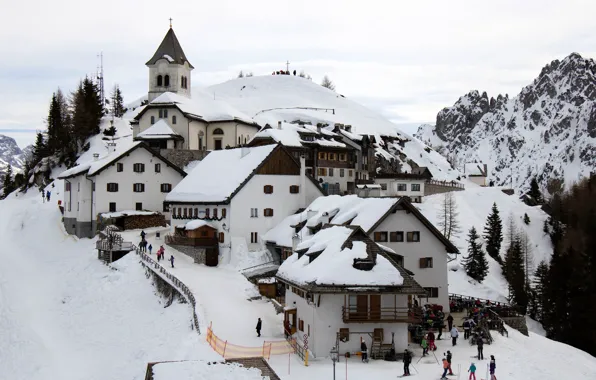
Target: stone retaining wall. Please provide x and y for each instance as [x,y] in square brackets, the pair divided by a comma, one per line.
[518,323]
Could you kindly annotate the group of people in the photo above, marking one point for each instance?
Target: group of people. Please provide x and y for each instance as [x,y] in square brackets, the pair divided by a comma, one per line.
[492,367]
[283,72]
[160,252]
[45,195]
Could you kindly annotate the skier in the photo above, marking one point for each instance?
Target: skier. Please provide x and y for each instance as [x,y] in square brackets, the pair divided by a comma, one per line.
[472,371]
[43,196]
[172,260]
[259,323]
[363,351]
[407,361]
[492,368]
[480,343]
[441,327]
[49,193]
[445,369]
[424,345]
[150,248]
[450,321]
[454,335]
[449,356]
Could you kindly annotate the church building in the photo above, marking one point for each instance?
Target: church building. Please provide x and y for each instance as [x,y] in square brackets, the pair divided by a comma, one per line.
[175,119]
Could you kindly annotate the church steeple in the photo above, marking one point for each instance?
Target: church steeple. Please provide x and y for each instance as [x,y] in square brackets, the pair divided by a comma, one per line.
[169,69]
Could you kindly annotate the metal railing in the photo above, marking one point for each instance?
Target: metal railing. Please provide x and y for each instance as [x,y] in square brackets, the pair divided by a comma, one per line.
[383,314]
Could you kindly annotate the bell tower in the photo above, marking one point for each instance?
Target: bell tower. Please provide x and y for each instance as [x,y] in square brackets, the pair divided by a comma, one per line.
[169,70]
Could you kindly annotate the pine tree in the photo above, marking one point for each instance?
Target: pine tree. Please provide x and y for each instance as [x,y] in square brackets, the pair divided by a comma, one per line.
[540,284]
[526,218]
[87,111]
[493,234]
[240,74]
[40,150]
[117,102]
[475,264]
[328,83]
[448,216]
[535,190]
[514,272]
[7,183]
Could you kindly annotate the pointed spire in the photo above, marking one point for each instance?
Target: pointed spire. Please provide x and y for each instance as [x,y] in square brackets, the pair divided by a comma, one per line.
[170,49]
[170,23]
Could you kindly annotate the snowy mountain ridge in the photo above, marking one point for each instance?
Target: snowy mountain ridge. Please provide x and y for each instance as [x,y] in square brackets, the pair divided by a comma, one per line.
[548,130]
[11,154]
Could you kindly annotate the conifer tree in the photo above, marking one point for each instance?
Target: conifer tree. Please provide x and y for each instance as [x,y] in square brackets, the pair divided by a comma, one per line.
[241,74]
[540,284]
[87,111]
[514,272]
[448,216]
[7,183]
[117,102]
[493,234]
[40,150]
[535,190]
[328,83]
[475,264]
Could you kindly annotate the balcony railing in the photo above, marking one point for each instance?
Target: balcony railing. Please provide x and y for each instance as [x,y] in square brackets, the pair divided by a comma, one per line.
[383,314]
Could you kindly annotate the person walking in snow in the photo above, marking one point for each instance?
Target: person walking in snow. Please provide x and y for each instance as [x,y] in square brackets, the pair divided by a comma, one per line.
[259,324]
[472,371]
[454,335]
[431,341]
[172,260]
[450,322]
[150,248]
[445,369]
[407,361]
[492,367]
[49,193]
[480,343]
[43,196]
[449,357]
[424,345]
[363,351]
[143,235]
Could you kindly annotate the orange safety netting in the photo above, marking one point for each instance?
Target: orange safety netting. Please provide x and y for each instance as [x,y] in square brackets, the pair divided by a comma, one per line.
[233,351]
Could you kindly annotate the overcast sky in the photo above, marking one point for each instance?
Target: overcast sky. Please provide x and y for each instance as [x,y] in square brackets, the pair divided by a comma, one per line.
[407,60]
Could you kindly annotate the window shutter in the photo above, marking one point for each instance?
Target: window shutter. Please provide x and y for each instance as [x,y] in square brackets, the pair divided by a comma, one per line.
[422,262]
[409,236]
[223,212]
[393,236]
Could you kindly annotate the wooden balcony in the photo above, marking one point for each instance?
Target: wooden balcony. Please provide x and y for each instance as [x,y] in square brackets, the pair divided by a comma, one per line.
[353,314]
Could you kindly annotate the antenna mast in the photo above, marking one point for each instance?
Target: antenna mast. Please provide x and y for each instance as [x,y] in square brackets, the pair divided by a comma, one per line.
[100,80]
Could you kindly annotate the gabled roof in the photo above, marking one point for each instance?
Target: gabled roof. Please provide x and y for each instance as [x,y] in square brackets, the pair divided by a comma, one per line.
[171,50]
[159,130]
[92,168]
[293,135]
[222,174]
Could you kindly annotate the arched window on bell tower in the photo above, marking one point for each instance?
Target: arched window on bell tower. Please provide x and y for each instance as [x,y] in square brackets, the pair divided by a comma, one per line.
[166,81]
[159,80]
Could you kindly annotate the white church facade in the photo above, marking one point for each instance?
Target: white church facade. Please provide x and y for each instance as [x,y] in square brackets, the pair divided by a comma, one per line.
[196,120]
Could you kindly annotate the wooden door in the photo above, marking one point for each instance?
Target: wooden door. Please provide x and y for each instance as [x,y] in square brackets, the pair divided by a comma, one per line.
[375,307]
[217,144]
[362,306]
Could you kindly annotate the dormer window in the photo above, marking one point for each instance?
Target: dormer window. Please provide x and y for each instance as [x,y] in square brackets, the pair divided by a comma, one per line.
[159,80]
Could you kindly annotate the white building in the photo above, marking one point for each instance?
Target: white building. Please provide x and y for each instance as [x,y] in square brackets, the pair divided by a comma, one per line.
[243,192]
[199,121]
[134,178]
[341,288]
[477,173]
[392,222]
[395,185]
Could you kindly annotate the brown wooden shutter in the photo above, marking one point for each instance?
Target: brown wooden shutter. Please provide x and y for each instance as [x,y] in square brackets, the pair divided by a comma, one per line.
[392,236]
[422,262]
[409,236]
[223,212]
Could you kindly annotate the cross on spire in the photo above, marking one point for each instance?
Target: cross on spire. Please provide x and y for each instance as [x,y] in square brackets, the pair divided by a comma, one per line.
[170,23]
[287,65]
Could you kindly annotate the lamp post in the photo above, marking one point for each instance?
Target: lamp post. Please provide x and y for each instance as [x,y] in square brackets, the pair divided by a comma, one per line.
[334,357]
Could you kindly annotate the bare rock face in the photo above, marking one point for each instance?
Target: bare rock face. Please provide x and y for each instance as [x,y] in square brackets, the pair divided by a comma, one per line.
[11,154]
[548,130]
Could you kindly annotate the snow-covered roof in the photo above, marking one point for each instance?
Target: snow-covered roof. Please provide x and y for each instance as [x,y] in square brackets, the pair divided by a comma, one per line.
[194,224]
[201,370]
[475,169]
[335,264]
[369,186]
[117,214]
[363,212]
[203,105]
[219,175]
[159,130]
[289,135]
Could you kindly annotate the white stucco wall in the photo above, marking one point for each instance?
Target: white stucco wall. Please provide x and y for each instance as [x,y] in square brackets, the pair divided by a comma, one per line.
[392,187]
[232,131]
[478,180]
[281,201]
[181,127]
[337,178]
[429,246]
[71,198]
[152,198]
[175,71]
[326,320]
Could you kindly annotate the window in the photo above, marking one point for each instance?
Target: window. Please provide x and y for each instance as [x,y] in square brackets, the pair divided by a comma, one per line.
[166,81]
[185,213]
[332,156]
[112,187]
[152,120]
[415,187]
[78,186]
[268,189]
[200,143]
[66,186]
[159,80]
[158,168]
[254,237]
[221,237]
[301,325]
[161,114]
[92,186]
[350,173]
[218,131]
[112,207]
[383,186]
[138,168]
[330,172]
[215,213]
[413,236]
[166,187]
[342,157]
[166,208]
[341,172]
[322,172]
[223,212]
[206,213]
[294,189]
[268,212]
[165,114]
[381,236]
[196,212]
[322,156]
[119,167]
[182,81]
[432,292]
[402,187]
[426,262]
[308,330]
[139,206]
[254,212]
[396,236]
[138,187]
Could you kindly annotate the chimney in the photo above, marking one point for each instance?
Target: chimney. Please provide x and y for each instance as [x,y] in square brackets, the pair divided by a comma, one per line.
[325,218]
[303,180]
[244,151]
[295,241]
[310,214]
[95,156]
[319,128]
[348,128]
[279,124]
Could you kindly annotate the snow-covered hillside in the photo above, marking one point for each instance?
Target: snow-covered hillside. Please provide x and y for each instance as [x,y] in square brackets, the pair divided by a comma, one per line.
[547,130]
